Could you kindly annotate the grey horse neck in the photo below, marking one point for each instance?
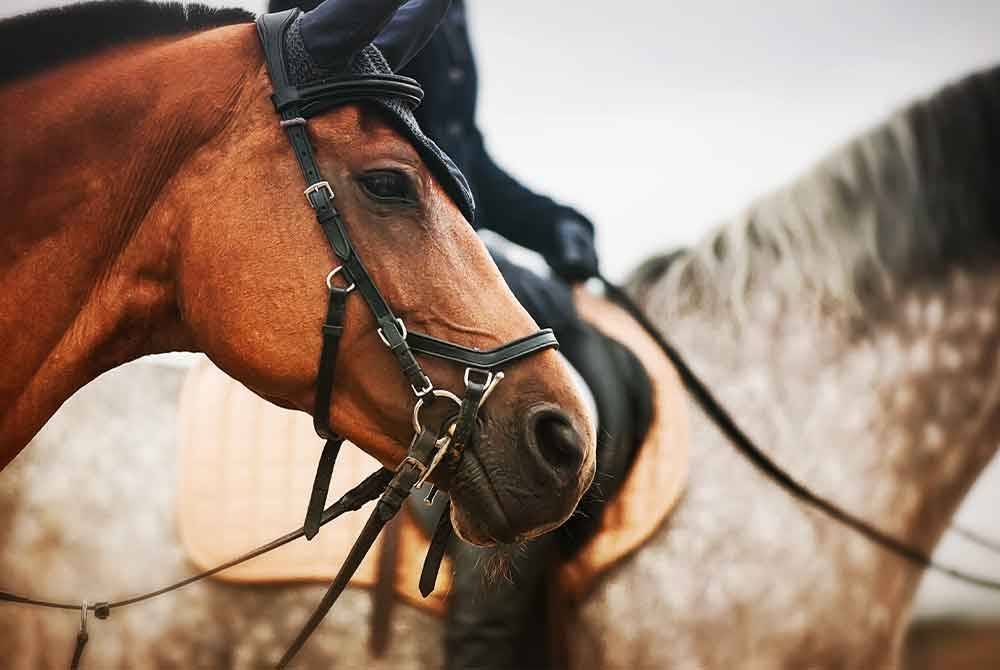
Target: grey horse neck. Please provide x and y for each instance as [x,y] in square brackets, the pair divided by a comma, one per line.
[853,329]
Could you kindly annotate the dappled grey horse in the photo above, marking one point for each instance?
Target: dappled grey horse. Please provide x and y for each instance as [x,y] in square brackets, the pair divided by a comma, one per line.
[850,323]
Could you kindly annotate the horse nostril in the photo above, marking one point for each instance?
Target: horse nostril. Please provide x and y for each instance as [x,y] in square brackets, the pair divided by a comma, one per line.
[551,433]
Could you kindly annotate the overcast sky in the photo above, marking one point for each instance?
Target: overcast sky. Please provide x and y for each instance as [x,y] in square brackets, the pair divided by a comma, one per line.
[659,119]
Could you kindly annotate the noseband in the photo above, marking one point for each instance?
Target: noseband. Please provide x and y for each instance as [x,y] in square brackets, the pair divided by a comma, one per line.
[427,450]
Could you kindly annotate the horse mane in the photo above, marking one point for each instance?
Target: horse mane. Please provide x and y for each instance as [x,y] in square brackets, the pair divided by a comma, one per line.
[34,42]
[907,201]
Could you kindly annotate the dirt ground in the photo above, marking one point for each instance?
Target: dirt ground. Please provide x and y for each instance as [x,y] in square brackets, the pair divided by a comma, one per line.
[953,645]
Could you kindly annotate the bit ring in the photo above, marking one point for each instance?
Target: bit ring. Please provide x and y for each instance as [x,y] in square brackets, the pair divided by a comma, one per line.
[437,393]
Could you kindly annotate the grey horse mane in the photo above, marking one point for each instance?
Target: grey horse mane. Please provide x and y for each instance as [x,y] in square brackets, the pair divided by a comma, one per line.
[907,201]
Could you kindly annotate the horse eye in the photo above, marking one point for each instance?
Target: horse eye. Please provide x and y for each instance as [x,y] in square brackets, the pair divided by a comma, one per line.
[388,185]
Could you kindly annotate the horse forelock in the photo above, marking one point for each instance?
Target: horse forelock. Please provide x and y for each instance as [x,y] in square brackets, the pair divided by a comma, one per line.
[904,204]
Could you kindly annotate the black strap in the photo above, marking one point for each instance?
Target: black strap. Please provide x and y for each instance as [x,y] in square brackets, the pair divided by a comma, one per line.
[384,591]
[465,424]
[764,464]
[321,487]
[333,329]
[81,642]
[388,506]
[435,553]
[289,105]
[486,360]
[316,98]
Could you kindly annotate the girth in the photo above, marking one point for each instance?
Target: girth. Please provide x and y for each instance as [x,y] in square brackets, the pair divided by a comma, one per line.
[295,105]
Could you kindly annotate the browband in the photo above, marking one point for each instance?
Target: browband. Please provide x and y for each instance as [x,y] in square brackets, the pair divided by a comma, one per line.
[316,98]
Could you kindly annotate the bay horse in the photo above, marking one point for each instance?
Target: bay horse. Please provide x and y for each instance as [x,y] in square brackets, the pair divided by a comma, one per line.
[849,321]
[152,204]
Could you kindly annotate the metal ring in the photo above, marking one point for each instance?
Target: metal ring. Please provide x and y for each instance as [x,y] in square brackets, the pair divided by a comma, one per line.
[84,607]
[438,393]
[497,378]
[329,280]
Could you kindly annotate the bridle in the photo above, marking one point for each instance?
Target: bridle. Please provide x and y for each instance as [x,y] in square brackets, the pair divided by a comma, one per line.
[430,446]
[295,105]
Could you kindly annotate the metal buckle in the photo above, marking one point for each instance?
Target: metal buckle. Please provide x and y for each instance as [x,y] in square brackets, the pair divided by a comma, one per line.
[317,187]
[420,393]
[402,329]
[438,393]
[329,280]
[486,382]
[415,464]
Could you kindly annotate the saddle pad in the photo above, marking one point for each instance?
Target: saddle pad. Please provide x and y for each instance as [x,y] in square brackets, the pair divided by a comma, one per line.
[246,471]
[658,475]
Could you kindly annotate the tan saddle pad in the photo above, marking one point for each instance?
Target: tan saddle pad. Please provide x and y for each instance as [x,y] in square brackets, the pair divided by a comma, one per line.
[246,471]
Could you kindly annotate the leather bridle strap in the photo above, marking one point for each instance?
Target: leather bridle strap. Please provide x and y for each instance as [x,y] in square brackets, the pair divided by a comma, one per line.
[333,328]
[321,487]
[389,504]
[295,105]
[435,552]
[463,431]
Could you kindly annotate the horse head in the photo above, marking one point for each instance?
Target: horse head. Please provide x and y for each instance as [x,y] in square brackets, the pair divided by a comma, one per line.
[252,289]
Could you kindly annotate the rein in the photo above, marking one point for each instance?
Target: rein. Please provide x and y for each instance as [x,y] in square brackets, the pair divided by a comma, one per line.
[747,448]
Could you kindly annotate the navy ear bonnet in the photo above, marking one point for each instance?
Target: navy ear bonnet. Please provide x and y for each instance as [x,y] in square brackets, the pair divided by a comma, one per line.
[302,70]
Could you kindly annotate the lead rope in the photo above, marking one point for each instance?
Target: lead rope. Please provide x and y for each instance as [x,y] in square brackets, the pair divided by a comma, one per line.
[764,464]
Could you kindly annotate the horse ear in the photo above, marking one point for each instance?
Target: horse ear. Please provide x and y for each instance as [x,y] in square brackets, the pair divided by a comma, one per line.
[338,29]
[409,30]
[282,5]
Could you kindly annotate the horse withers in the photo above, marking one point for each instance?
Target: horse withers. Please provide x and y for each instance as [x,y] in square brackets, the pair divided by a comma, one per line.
[152,204]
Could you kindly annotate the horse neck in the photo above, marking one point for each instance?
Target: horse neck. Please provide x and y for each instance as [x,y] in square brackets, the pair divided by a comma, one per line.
[87,258]
[871,377]
[892,422]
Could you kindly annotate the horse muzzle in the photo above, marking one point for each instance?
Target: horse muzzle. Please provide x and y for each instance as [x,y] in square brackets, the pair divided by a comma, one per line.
[516,484]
